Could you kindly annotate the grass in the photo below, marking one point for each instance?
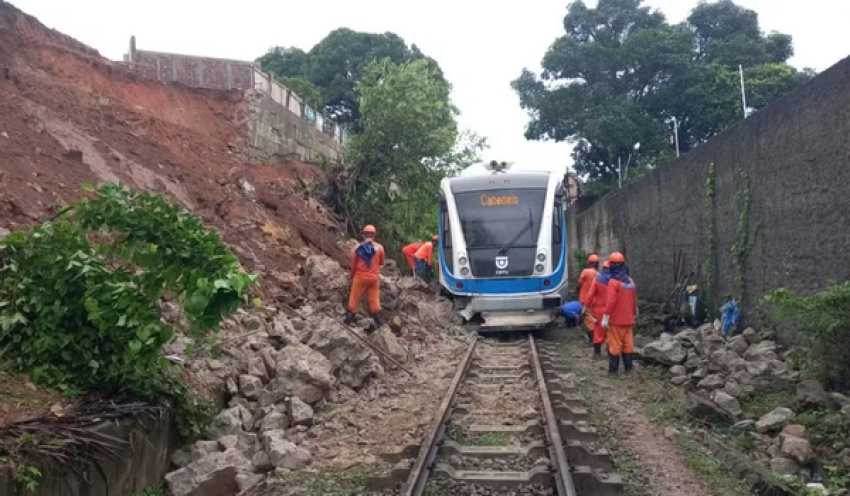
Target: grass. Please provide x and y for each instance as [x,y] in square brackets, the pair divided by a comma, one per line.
[333,482]
[153,491]
[765,402]
[710,469]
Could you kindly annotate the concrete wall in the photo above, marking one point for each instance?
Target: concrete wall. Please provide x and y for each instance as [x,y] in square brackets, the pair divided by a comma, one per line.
[142,463]
[797,155]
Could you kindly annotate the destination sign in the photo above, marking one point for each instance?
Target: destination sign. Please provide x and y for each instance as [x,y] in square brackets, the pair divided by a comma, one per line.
[499,201]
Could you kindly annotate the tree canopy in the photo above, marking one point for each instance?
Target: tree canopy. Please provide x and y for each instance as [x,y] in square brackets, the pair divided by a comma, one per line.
[621,73]
[334,66]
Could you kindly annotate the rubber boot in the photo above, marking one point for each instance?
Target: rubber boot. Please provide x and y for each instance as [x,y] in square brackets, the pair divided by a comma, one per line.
[379,320]
[613,364]
[628,364]
[590,337]
[349,317]
[597,351]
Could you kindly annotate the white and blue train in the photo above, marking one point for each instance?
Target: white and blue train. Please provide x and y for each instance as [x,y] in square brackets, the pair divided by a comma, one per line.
[503,245]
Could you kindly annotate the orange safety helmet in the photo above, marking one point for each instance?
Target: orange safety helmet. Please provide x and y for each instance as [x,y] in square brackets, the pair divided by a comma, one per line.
[370,229]
[606,265]
[593,259]
[617,258]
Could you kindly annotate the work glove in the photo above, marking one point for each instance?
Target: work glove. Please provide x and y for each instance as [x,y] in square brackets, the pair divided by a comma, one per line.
[605,319]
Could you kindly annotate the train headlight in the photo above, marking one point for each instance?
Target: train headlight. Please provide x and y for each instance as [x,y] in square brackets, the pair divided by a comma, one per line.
[539,268]
[464,271]
[541,257]
[462,260]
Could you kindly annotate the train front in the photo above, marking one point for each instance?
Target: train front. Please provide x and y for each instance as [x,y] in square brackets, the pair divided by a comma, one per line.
[503,247]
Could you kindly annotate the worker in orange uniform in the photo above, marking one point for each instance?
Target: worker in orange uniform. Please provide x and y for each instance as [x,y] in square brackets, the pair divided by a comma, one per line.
[619,317]
[422,259]
[366,261]
[409,253]
[594,306]
[585,281]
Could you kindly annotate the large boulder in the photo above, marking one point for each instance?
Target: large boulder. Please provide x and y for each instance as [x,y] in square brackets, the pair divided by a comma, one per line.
[797,448]
[351,362]
[302,372]
[212,475]
[386,340]
[283,453]
[325,276]
[727,402]
[227,422]
[667,350]
[812,395]
[250,386]
[301,413]
[708,341]
[738,344]
[775,420]
[784,466]
[762,351]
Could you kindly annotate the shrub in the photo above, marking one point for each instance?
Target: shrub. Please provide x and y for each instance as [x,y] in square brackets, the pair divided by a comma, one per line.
[78,297]
[818,326]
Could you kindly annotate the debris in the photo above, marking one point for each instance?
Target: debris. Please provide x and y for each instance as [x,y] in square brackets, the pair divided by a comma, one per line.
[775,420]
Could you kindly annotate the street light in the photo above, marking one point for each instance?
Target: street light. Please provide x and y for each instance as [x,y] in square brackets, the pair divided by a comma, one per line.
[676,134]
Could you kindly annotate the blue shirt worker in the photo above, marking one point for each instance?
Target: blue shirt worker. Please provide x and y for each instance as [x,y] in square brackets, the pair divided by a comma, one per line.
[571,312]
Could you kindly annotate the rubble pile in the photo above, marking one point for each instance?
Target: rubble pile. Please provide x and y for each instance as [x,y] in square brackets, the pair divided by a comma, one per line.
[285,372]
[729,371]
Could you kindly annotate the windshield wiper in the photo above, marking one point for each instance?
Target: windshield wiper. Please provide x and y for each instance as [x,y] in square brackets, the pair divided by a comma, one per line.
[504,250]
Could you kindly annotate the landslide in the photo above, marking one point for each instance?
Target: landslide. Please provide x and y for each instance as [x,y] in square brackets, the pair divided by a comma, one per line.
[69,116]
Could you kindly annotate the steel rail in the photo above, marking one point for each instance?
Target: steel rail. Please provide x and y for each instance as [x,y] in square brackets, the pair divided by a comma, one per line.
[560,467]
[418,477]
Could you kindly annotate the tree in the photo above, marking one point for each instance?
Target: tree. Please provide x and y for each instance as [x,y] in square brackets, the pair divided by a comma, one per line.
[621,72]
[337,63]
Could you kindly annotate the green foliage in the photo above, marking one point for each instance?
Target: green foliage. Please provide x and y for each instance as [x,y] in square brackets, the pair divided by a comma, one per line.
[580,258]
[621,71]
[825,427]
[154,491]
[710,243]
[78,297]
[305,90]
[407,141]
[741,248]
[336,64]
[818,326]
[27,477]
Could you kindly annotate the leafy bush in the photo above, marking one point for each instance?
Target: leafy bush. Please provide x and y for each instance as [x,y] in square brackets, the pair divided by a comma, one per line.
[78,297]
[818,326]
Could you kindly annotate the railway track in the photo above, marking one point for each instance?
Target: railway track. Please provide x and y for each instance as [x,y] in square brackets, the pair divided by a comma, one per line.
[511,424]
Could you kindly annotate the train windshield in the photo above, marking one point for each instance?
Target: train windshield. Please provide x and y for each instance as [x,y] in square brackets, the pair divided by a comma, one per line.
[499,218]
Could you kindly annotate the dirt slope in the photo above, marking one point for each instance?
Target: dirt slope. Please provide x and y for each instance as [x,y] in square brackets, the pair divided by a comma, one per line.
[69,116]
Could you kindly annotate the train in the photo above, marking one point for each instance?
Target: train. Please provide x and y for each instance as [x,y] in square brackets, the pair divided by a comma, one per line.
[503,246]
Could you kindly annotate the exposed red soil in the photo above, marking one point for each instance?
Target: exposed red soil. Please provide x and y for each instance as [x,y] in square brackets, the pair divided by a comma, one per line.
[59,98]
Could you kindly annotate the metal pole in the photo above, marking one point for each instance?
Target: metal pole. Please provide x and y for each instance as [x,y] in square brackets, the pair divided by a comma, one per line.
[676,134]
[743,93]
[619,172]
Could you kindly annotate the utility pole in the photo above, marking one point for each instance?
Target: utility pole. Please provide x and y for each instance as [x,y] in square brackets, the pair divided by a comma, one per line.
[619,172]
[743,92]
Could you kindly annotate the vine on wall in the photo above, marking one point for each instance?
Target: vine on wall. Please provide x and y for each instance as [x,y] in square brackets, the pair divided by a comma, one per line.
[710,243]
[740,250]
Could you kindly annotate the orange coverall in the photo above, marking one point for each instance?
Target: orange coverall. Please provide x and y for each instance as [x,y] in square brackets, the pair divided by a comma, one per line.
[595,301]
[585,281]
[621,306]
[366,280]
[409,252]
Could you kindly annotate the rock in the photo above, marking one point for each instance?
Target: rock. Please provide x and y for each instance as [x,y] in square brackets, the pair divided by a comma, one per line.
[228,442]
[732,388]
[230,385]
[301,413]
[667,351]
[816,487]
[745,425]
[700,374]
[708,411]
[275,420]
[744,379]
[812,395]
[840,399]
[727,402]
[750,335]
[693,361]
[248,190]
[763,350]
[283,453]
[797,448]
[261,462]
[530,414]
[677,370]
[250,386]
[302,372]
[757,369]
[845,410]
[388,343]
[247,481]
[738,344]
[671,432]
[253,323]
[784,466]
[257,368]
[326,277]
[180,458]
[350,361]
[775,420]
[728,360]
[246,416]
[793,430]
[213,475]
[713,381]
[686,337]
[227,422]
[679,379]
[396,324]
[206,447]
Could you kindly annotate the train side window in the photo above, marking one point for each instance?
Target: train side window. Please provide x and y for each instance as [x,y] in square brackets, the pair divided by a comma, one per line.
[557,238]
[446,236]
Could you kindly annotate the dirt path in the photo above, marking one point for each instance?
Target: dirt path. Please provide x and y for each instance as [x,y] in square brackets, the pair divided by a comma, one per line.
[651,464]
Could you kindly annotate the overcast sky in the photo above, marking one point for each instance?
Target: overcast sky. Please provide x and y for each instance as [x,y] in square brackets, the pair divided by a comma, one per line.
[481,45]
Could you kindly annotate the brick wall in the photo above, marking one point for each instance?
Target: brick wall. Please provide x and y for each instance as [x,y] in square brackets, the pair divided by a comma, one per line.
[797,155]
